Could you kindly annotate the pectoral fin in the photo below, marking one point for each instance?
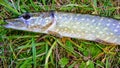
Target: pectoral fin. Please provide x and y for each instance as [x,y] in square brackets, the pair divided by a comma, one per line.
[54,33]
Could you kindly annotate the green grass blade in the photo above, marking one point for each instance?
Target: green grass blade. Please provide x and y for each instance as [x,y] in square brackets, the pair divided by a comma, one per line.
[107,65]
[29,58]
[9,7]
[18,5]
[48,54]
[33,5]
[25,63]
[27,45]
[11,48]
[53,4]
[34,52]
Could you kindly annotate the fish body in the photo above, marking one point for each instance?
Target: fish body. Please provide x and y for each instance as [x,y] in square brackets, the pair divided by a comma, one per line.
[81,26]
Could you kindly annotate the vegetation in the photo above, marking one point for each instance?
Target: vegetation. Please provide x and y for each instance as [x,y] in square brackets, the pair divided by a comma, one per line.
[21,49]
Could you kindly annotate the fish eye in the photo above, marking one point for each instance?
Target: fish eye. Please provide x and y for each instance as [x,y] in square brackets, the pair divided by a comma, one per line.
[26,16]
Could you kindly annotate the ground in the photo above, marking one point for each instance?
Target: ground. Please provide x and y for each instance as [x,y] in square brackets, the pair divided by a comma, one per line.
[27,49]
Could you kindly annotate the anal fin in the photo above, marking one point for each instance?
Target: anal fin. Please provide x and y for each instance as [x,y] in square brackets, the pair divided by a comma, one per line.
[104,42]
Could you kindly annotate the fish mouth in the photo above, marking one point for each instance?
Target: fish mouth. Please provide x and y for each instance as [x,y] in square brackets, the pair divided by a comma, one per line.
[14,23]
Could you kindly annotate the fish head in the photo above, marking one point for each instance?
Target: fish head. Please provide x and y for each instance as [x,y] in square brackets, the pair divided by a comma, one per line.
[30,21]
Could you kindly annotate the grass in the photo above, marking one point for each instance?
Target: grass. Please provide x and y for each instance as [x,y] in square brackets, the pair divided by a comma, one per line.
[21,49]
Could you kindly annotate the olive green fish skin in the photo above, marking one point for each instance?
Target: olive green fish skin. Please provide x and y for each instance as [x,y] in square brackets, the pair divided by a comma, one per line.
[82,26]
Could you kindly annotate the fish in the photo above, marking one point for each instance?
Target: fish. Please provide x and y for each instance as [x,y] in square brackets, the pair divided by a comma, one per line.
[73,25]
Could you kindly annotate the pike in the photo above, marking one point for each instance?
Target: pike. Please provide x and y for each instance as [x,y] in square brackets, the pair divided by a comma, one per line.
[81,26]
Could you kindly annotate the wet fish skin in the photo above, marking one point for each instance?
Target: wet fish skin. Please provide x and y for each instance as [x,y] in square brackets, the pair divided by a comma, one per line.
[82,26]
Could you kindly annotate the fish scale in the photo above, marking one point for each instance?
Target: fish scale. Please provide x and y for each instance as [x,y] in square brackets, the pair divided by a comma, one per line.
[82,26]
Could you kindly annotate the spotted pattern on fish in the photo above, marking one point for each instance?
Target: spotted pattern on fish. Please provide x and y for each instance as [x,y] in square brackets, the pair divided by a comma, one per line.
[82,26]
